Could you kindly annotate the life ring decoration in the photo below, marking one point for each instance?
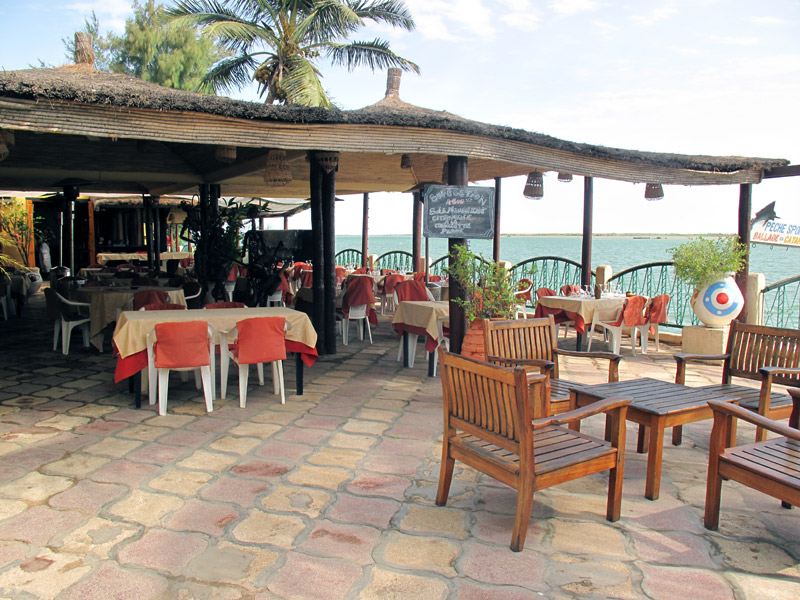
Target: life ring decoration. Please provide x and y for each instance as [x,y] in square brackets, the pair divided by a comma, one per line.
[719,303]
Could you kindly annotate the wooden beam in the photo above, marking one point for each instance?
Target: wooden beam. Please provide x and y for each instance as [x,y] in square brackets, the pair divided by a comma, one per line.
[788,171]
[745,208]
[416,230]
[365,232]
[318,257]
[586,247]
[496,240]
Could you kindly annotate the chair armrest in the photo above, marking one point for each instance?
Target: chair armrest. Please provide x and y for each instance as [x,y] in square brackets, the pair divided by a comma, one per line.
[546,365]
[770,371]
[594,408]
[732,410]
[76,303]
[612,358]
[682,359]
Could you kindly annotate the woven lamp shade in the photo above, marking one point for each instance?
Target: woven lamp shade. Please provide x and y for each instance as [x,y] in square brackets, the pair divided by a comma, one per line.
[534,187]
[6,140]
[329,161]
[565,177]
[276,171]
[405,161]
[226,154]
[653,191]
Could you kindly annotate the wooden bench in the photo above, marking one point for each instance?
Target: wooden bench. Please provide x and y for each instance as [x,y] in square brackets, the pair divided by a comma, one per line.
[488,425]
[532,344]
[766,354]
[771,467]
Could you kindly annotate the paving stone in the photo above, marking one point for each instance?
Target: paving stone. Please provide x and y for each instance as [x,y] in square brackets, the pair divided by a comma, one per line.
[673,548]
[181,483]
[421,552]
[390,585]
[349,440]
[122,471]
[353,543]
[44,575]
[9,508]
[497,529]
[570,537]
[471,591]
[260,469]
[366,427]
[163,550]
[438,520]
[374,414]
[315,437]
[144,432]
[377,512]
[667,583]
[12,552]
[75,465]
[320,477]
[499,566]
[256,430]
[235,444]
[203,517]
[757,557]
[93,411]
[98,537]
[112,446]
[35,487]
[335,457]
[29,435]
[231,563]
[306,577]
[284,450]
[594,578]
[207,461]
[87,496]
[101,427]
[112,581]
[370,484]
[305,500]
[265,528]
[236,490]
[172,420]
[396,465]
[146,508]
[39,524]
[770,588]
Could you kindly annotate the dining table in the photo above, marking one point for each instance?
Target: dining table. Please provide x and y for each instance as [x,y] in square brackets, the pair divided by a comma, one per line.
[579,309]
[104,257]
[107,302]
[130,336]
[420,317]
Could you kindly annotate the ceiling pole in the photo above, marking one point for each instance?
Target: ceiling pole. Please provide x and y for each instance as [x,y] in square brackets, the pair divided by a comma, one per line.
[200,252]
[745,208]
[71,193]
[457,174]
[416,232]
[586,245]
[496,241]
[365,232]
[147,209]
[156,212]
[329,257]
[317,259]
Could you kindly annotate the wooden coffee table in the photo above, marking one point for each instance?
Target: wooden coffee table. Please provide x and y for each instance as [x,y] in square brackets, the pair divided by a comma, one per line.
[656,405]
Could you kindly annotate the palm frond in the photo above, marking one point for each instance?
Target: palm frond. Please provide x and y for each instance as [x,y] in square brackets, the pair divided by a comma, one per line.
[375,54]
[231,74]
[301,84]
[393,12]
[330,19]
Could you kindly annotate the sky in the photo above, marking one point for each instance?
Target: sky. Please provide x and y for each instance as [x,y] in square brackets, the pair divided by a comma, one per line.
[717,77]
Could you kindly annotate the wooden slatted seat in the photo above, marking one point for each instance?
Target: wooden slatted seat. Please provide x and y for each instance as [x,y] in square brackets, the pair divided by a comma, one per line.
[769,355]
[488,425]
[532,344]
[771,467]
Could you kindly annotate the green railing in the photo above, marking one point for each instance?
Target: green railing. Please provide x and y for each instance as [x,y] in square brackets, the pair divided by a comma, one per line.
[437,267]
[551,272]
[653,279]
[782,303]
[397,260]
[350,256]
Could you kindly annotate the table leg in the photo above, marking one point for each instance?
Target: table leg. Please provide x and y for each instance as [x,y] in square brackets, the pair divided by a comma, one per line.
[298,373]
[652,484]
[405,350]
[579,338]
[136,379]
[431,356]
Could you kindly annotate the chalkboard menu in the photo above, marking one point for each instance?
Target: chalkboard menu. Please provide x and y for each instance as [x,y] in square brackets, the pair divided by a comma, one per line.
[455,211]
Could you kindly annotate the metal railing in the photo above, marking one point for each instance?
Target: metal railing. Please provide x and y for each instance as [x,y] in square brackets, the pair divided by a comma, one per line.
[397,260]
[781,302]
[437,267]
[653,279]
[551,272]
[350,256]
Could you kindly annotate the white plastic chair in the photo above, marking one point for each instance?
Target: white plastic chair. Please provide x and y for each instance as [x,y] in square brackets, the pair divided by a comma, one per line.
[276,299]
[357,313]
[412,337]
[441,340]
[206,370]
[630,315]
[58,308]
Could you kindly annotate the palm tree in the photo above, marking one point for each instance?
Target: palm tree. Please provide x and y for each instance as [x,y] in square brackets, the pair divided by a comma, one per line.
[276,42]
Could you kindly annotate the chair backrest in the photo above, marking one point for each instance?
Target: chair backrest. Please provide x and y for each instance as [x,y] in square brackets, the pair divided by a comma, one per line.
[225,305]
[545,291]
[306,278]
[144,281]
[754,346]
[411,290]
[164,306]
[570,289]
[390,282]
[489,402]
[53,303]
[261,339]
[632,313]
[341,273]
[181,344]
[144,297]
[656,310]
[359,291]
[520,339]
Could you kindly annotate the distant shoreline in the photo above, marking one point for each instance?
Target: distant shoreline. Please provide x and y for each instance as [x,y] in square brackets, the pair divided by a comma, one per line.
[648,236]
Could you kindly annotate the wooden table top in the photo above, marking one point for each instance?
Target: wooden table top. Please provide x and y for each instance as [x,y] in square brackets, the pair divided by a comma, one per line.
[657,397]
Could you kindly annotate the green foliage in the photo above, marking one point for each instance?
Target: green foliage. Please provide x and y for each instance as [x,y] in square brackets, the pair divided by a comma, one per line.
[154,50]
[703,260]
[276,42]
[19,229]
[488,288]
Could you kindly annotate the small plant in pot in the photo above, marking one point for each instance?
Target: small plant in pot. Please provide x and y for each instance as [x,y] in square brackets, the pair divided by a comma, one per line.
[489,295]
[708,265]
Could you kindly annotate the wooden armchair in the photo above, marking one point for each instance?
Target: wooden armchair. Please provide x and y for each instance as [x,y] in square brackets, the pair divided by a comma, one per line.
[488,425]
[771,466]
[532,344]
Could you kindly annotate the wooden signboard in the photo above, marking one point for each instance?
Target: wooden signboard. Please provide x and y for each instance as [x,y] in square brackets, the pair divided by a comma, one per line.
[455,211]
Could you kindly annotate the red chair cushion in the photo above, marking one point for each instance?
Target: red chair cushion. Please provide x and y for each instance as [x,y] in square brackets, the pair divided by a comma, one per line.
[656,312]
[261,340]
[411,290]
[225,305]
[144,297]
[181,345]
[166,306]
[390,283]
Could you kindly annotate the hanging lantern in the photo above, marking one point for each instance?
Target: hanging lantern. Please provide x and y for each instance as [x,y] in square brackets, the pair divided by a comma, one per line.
[405,161]
[6,140]
[534,187]
[329,161]
[444,173]
[653,191]
[276,171]
[565,177]
[226,154]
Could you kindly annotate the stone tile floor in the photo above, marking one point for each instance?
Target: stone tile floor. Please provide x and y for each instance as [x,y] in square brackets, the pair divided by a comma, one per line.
[331,495]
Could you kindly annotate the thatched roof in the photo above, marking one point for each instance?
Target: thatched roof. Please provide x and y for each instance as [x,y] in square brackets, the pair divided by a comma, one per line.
[117,107]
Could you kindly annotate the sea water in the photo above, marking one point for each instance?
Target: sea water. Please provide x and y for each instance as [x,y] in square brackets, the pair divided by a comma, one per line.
[621,252]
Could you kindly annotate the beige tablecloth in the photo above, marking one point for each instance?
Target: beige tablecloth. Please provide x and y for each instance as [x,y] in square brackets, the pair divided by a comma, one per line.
[104,257]
[421,314]
[582,307]
[130,335]
[106,302]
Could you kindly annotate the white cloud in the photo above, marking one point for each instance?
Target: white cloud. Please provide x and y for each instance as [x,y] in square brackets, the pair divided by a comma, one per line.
[446,20]
[605,28]
[655,15]
[735,41]
[567,8]
[766,20]
[110,13]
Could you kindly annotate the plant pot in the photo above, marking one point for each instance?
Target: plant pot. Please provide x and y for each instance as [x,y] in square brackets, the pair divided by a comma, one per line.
[473,346]
[718,303]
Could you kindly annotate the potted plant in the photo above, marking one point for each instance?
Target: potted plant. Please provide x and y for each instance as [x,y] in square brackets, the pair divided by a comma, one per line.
[21,231]
[489,295]
[708,266]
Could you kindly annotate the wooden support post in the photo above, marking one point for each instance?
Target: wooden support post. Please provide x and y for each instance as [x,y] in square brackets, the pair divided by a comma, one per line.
[416,231]
[71,193]
[329,258]
[156,211]
[745,208]
[318,260]
[365,232]
[496,241]
[147,209]
[586,248]
[457,174]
